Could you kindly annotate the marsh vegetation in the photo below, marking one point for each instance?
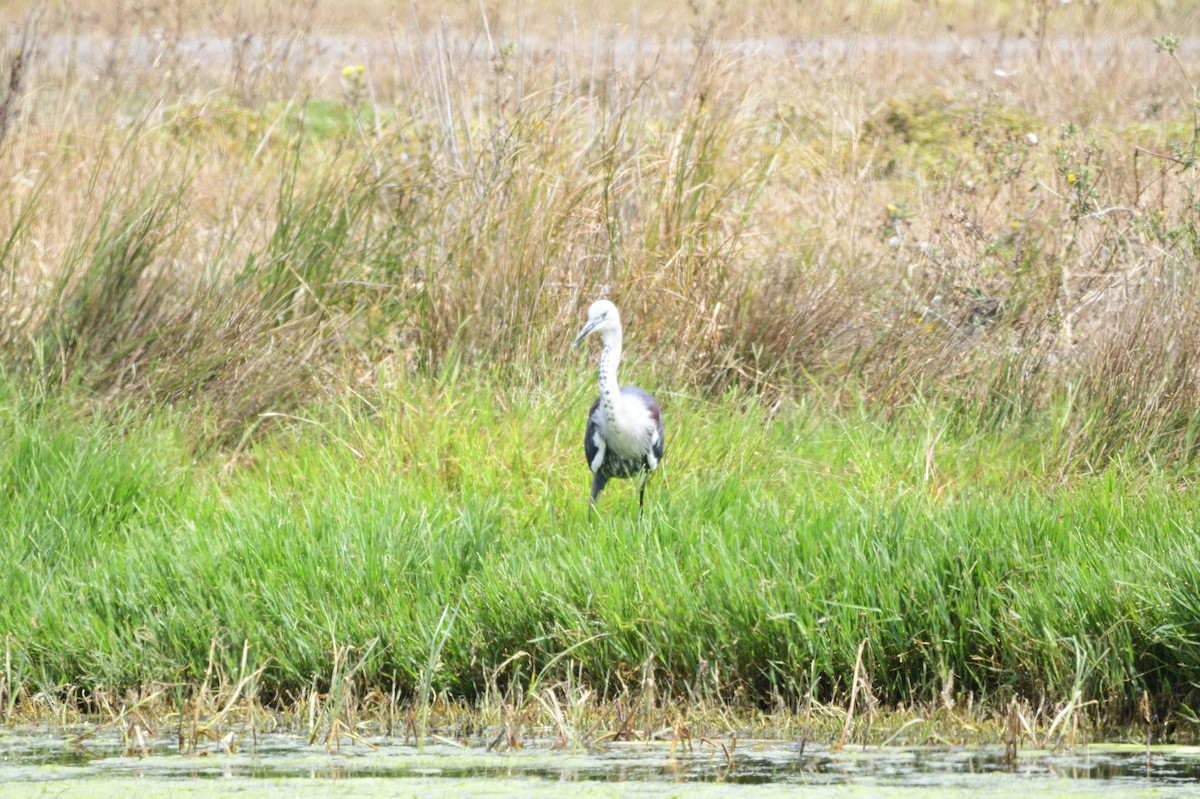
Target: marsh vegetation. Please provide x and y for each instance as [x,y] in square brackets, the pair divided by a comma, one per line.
[291,427]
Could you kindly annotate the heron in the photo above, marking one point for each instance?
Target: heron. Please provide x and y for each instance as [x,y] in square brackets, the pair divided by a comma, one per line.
[624,436]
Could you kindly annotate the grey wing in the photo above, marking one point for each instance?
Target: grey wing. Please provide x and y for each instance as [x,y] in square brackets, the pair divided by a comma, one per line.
[590,448]
[661,441]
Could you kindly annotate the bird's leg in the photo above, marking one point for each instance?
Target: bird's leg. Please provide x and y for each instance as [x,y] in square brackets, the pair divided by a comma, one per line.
[642,492]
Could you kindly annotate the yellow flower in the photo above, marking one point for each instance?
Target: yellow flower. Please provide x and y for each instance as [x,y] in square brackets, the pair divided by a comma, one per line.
[1071,178]
[1015,224]
[353,71]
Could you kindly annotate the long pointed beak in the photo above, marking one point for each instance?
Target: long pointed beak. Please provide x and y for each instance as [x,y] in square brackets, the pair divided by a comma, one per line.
[588,328]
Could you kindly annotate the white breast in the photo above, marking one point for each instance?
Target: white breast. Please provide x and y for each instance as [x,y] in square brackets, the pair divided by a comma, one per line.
[629,431]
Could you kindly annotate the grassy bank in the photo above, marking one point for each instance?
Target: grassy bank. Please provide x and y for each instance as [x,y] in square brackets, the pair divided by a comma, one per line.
[284,325]
[443,532]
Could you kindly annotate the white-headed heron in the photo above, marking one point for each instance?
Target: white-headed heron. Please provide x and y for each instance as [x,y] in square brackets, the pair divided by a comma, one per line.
[624,435]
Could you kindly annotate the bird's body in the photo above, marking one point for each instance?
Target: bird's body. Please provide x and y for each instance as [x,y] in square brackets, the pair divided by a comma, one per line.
[624,436]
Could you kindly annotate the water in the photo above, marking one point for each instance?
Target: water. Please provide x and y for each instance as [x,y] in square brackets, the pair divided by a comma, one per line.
[33,763]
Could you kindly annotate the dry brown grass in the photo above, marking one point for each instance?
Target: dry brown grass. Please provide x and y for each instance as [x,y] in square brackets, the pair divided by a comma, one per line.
[1004,219]
[226,710]
[755,18]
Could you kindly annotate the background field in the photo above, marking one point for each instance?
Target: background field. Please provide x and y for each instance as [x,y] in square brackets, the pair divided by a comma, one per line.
[285,312]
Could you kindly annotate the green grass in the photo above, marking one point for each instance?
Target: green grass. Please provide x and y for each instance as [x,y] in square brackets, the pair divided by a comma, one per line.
[775,546]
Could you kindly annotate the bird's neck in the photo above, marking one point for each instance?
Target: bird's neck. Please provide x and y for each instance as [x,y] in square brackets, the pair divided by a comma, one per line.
[610,358]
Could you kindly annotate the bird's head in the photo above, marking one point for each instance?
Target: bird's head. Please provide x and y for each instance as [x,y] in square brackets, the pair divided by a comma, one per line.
[602,318]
